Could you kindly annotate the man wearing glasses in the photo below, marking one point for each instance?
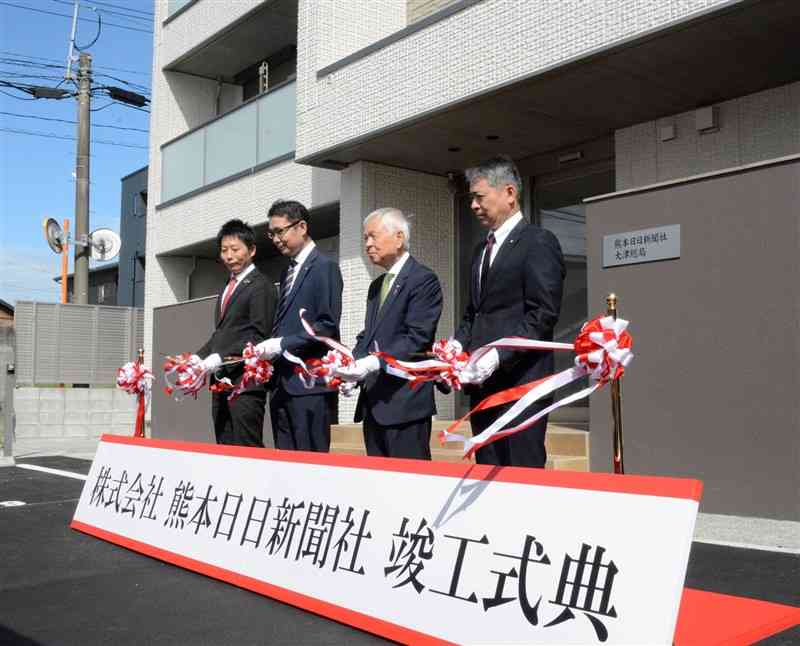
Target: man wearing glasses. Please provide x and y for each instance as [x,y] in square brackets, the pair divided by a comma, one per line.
[301,417]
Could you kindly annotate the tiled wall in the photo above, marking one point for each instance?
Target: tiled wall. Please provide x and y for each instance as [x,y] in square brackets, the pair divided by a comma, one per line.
[751,128]
[479,48]
[49,418]
[419,9]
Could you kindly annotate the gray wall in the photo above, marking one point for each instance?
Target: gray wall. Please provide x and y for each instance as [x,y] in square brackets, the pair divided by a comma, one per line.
[184,327]
[51,420]
[712,392]
[180,328]
[74,344]
[132,221]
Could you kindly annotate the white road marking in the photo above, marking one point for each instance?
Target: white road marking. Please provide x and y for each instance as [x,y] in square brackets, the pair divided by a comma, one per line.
[55,472]
[11,503]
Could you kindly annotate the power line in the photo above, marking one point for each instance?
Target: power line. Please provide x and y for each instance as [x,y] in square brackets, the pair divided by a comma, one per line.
[94,125]
[18,62]
[129,83]
[61,64]
[53,135]
[64,15]
[47,67]
[37,91]
[108,11]
[21,75]
[116,6]
[128,105]
[19,98]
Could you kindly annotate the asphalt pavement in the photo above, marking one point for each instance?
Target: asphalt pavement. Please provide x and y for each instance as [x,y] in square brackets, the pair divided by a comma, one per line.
[61,587]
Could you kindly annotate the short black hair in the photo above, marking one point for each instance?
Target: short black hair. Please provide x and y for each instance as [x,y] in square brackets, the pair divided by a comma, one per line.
[237,229]
[497,172]
[291,210]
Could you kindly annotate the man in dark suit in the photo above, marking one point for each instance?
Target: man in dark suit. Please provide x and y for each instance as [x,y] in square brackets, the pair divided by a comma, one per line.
[516,285]
[403,308]
[301,417]
[244,312]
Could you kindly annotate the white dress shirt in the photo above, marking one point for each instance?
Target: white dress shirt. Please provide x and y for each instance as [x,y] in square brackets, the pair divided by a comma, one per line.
[398,265]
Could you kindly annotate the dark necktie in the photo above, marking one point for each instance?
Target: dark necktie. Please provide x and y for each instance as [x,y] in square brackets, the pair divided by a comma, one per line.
[487,256]
[286,287]
[226,295]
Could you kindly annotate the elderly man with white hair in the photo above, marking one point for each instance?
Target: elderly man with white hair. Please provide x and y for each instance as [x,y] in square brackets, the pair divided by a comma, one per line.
[403,309]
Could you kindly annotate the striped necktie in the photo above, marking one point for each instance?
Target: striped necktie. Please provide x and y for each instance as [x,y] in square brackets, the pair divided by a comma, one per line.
[286,287]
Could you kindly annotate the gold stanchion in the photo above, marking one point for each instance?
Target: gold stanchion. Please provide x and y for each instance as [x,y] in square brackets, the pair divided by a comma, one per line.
[616,401]
[138,430]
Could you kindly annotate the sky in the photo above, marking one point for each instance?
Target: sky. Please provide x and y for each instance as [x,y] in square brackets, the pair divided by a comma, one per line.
[37,172]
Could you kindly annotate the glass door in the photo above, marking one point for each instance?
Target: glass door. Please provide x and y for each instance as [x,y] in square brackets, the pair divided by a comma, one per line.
[558,206]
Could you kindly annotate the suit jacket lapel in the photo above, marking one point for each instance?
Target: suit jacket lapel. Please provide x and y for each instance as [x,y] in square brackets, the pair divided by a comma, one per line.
[298,282]
[502,254]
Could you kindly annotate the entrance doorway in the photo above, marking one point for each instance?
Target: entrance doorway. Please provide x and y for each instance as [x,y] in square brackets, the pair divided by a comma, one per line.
[558,206]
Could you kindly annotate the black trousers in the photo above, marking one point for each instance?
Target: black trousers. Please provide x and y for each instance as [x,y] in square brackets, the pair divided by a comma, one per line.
[523,449]
[302,423]
[411,440]
[242,421]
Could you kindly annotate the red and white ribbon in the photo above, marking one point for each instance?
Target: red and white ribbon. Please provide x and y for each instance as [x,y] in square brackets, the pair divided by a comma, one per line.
[603,350]
[257,371]
[445,366]
[321,370]
[184,375]
[137,380]
[448,365]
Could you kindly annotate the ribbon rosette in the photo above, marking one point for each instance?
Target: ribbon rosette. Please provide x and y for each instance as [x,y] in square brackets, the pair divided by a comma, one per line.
[137,380]
[257,371]
[321,370]
[185,375]
[603,351]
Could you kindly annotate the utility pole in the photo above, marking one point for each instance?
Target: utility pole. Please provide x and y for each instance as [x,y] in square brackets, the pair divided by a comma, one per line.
[83,246]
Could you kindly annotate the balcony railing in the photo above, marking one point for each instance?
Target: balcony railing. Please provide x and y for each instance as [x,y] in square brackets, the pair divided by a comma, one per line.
[257,133]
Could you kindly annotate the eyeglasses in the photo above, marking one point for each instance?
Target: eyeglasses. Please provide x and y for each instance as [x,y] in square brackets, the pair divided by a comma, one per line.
[279,233]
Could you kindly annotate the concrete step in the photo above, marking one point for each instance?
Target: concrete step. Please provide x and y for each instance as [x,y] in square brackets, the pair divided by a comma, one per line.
[569,415]
[438,454]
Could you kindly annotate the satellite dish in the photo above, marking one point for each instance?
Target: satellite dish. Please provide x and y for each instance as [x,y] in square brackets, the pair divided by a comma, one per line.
[54,235]
[105,244]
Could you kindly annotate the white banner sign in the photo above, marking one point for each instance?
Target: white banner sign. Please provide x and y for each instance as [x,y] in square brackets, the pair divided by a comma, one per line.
[644,245]
[420,552]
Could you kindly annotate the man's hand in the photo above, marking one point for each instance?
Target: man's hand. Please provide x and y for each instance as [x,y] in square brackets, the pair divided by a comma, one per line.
[454,346]
[482,369]
[269,349]
[360,369]
[210,363]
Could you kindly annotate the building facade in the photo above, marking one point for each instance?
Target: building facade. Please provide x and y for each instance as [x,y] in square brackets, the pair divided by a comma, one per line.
[349,105]
[132,231]
[103,285]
